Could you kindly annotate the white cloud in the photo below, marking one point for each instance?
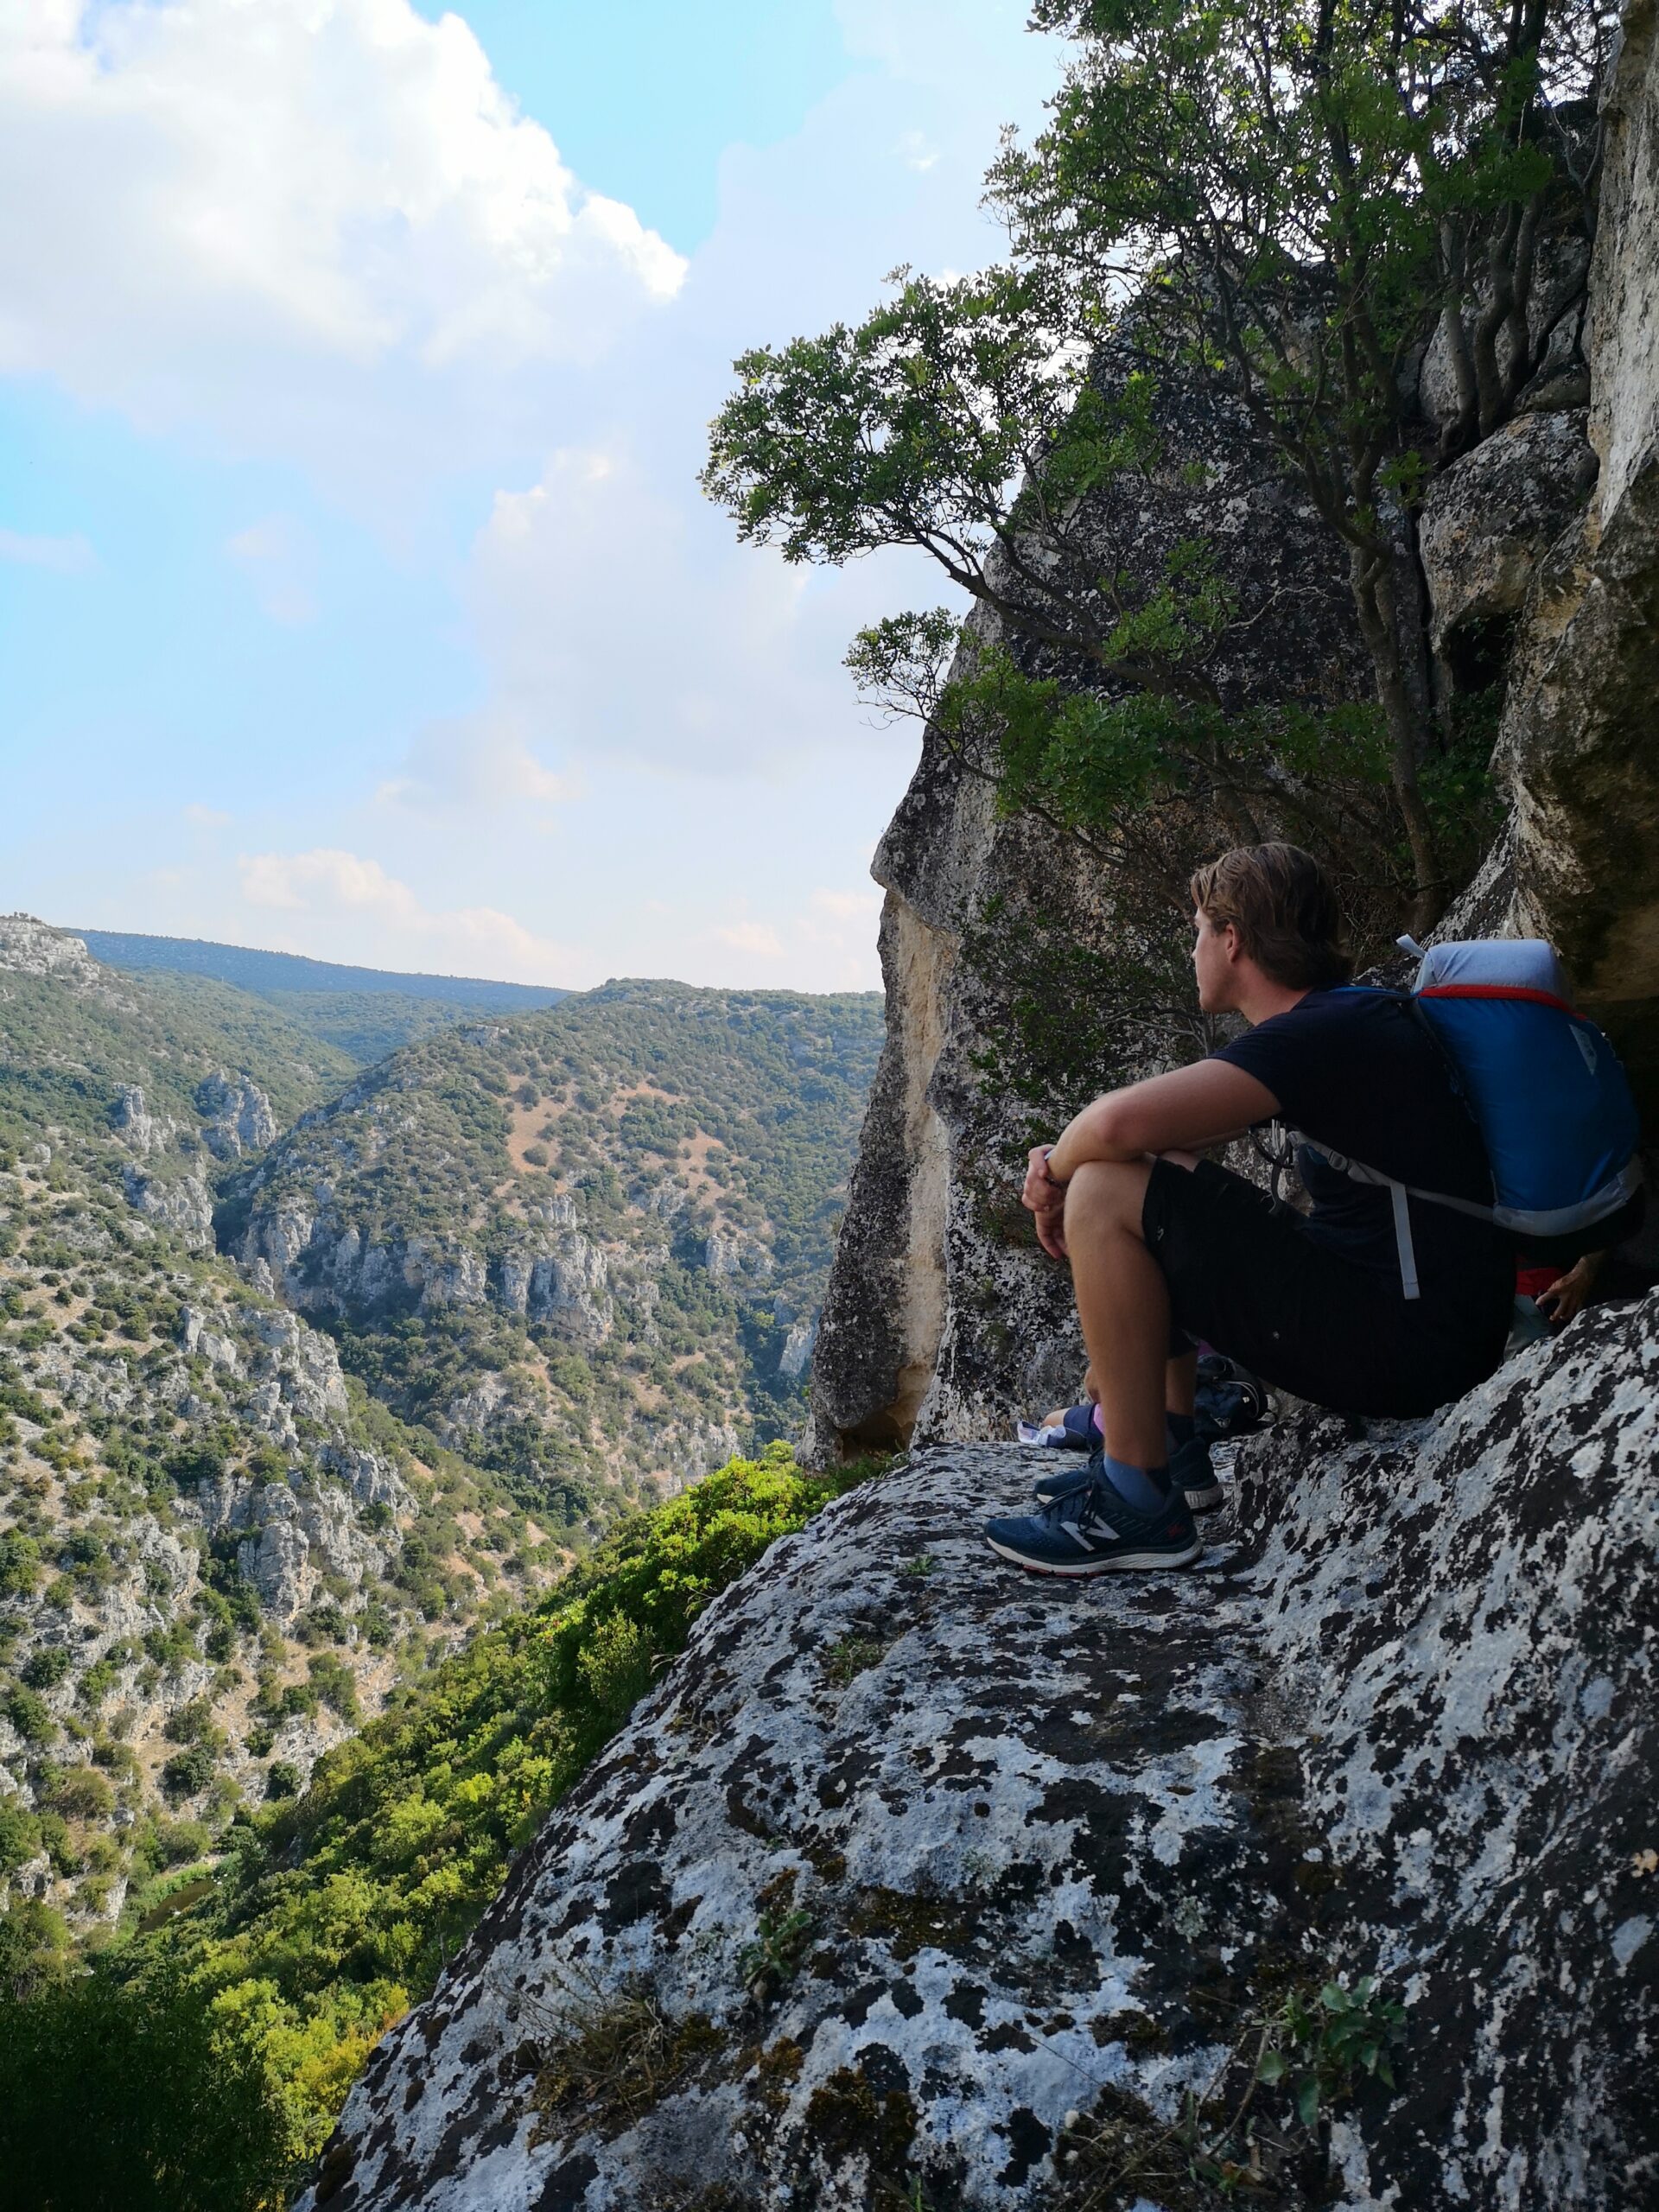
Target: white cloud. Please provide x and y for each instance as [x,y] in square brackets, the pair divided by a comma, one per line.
[616,611]
[345,906]
[621,618]
[277,220]
[482,760]
[206,818]
[758,937]
[830,937]
[278,559]
[67,556]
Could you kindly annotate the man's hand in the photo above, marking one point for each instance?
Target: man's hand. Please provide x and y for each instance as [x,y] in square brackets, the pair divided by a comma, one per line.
[1567,1294]
[1045,1199]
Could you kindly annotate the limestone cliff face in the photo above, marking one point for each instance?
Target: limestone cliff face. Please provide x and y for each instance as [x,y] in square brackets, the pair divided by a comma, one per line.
[918,1883]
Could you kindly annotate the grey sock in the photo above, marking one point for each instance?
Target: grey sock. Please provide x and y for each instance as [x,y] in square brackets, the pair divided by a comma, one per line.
[1145,1490]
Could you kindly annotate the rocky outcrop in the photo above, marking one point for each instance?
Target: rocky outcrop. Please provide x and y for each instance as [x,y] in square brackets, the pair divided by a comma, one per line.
[294,1533]
[1577,740]
[29,947]
[920,1881]
[236,1115]
[1540,559]
[797,1354]
[139,1129]
[1486,523]
[554,1272]
[183,1203]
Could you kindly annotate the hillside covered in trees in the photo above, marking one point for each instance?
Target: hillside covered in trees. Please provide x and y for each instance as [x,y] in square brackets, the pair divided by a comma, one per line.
[245,1511]
[586,1246]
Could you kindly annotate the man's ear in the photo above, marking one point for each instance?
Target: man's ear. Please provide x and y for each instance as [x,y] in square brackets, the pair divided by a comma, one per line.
[1234,947]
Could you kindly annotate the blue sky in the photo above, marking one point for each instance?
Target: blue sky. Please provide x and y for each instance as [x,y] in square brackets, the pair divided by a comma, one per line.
[356,595]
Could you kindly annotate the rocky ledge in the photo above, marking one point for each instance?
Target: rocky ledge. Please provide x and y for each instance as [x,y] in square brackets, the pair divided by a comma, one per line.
[917,1882]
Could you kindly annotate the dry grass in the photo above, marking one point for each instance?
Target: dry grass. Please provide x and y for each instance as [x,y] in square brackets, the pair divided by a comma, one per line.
[610,2055]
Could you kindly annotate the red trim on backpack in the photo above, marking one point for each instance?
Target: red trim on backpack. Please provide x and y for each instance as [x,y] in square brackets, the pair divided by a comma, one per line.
[1499,991]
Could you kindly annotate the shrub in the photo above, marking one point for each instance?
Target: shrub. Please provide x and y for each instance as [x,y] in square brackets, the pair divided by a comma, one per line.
[31,1716]
[99,1679]
[80,1793]
[20,1564]
[334,1683]
[282,1779]
[45,1668]
[188,1772]
[190,1724]
[20,1838]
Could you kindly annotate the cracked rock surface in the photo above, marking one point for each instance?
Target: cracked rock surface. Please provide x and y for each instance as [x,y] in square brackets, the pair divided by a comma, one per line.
[909,1856]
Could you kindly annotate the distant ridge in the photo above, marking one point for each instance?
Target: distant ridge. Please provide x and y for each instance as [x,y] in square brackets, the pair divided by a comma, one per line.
[263,972]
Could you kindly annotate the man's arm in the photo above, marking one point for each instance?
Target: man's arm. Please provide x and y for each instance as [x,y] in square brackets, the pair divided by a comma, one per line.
[1187,1110]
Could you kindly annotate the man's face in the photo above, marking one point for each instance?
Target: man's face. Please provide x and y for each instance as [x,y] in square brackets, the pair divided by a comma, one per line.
[1211,963]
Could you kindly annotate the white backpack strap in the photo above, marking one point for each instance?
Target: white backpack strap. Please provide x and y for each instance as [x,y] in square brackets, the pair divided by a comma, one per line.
[1400,1194]
[1403,1240]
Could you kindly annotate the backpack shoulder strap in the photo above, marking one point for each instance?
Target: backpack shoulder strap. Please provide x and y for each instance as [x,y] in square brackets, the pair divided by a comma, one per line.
[1399,1195]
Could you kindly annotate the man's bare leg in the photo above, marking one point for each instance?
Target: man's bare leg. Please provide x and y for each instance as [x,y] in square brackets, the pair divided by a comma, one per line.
[1123,1305]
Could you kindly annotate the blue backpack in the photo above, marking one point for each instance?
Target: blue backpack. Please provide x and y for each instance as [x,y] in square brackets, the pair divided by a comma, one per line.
[1545,1088]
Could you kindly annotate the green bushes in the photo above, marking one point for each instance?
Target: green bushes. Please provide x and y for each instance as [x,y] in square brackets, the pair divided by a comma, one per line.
[20,1564]
[80,1793]
[136,2096]
[31,1716]
[188,1772]
[335,1684]
[334,1909]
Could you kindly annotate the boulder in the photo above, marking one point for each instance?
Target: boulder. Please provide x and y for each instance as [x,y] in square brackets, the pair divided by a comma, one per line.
[918,1881]
[1487,522]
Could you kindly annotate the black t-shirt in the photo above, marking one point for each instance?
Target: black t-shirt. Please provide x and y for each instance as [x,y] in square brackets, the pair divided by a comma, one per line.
[1353,1069]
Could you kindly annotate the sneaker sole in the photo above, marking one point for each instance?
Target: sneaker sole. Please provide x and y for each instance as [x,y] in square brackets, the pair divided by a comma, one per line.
[1119,1561]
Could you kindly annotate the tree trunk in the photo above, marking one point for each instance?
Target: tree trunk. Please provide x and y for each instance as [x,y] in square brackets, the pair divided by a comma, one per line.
[1373,590]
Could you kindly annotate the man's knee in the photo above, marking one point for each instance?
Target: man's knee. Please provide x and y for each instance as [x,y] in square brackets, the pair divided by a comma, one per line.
[1106,1194]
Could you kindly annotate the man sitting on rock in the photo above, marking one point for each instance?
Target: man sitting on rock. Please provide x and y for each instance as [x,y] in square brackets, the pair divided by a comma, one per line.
[1167,1249]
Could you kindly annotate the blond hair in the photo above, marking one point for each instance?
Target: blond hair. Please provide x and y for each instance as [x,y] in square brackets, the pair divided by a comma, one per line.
[1279,900]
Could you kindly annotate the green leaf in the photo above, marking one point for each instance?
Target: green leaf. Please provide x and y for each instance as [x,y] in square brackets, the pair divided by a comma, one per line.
[1270,2067]
[1307,2099]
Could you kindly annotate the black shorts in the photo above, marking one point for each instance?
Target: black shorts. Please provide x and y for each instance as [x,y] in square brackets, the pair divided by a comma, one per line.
[1245,1275]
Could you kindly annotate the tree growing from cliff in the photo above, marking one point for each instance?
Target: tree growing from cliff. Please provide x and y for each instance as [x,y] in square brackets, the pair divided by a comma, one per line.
[1277,205]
